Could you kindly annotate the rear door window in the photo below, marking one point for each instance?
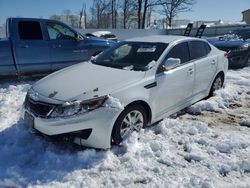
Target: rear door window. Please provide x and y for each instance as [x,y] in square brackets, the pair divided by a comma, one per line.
[199,49]
[180,51]
[30,30]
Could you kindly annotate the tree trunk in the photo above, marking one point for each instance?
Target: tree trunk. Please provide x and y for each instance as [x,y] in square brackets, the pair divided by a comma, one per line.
[112,13]
[139,13]
[125,13]
[170,19]
[144,13]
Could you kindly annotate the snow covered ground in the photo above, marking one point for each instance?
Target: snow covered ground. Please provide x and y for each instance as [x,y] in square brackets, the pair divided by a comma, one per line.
[206,145]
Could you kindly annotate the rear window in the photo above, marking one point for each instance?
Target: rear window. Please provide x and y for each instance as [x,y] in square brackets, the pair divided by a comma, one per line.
[30,30]
[198,49]
[108,36]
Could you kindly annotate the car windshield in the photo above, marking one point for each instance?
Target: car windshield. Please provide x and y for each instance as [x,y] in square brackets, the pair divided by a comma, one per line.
[136,56]
[240,33]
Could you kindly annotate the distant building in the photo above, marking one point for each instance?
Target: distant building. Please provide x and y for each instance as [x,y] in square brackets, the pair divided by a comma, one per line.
[209,23]
[180,23]
[246,16]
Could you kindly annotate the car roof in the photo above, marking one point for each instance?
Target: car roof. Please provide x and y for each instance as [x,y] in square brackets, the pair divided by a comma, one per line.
[160,38]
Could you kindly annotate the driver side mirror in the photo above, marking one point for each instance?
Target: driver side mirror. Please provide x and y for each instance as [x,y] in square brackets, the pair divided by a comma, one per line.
[171,63]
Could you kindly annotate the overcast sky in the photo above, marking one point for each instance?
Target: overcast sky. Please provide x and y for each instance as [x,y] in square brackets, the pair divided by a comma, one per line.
[226,10]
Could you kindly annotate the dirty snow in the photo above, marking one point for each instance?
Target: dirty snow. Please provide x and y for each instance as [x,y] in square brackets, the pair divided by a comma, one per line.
[206,145]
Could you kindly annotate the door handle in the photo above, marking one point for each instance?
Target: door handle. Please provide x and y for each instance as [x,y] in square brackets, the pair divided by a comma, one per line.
[57,46]
[23,46]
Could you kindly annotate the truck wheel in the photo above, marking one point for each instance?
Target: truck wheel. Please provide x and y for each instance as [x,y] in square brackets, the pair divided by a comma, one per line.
[133,118]
[217,84]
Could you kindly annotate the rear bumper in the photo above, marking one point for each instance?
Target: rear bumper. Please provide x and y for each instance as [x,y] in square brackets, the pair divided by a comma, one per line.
[238,59]
[98,124]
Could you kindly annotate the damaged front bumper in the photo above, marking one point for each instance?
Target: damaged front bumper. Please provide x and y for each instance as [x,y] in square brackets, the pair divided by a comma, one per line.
[91,129]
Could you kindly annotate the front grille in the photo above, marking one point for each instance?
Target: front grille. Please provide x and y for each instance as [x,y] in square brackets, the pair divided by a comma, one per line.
[38,108]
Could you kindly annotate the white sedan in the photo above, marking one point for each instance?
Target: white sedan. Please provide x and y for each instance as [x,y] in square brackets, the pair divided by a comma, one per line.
[106,35]
[150,77]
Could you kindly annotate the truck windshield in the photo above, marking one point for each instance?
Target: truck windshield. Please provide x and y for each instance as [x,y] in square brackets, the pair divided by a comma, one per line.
[131,55]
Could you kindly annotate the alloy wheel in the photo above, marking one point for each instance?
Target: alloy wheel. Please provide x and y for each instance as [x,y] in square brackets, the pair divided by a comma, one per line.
[217,83]
[132,121]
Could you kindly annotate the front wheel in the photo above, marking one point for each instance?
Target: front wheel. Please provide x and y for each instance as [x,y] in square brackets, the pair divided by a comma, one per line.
[133,118]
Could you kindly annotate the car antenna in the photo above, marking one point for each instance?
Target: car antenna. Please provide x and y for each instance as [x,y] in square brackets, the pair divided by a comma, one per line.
[188,29]
[200,31]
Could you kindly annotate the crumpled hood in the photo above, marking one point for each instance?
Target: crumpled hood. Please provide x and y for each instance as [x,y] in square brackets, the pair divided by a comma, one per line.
[84,81]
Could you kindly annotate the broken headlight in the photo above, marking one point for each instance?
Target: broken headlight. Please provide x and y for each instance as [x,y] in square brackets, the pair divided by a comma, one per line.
[76,107]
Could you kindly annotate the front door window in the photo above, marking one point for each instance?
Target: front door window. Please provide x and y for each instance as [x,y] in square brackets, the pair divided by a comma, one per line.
[60,32]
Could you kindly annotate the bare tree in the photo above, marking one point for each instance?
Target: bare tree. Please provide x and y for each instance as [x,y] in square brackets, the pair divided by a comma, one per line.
[67,17]
[55,17]
[67,14]
[100,13]
[142,10]
[139,10]
[114,8]
[171,8]
[127,11]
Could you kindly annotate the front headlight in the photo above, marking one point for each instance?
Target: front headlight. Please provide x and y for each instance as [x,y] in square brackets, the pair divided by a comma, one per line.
[76,107]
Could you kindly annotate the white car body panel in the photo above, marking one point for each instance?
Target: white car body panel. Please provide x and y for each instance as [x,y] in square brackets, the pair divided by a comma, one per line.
[175,90]
[99,121]
[86,81]
[100,33]
[180,80]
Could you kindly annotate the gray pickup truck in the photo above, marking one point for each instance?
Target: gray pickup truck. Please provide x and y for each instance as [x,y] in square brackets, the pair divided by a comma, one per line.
[35,46]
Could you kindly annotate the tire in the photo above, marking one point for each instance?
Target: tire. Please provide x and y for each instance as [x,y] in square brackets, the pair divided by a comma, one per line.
[122,129]
[217,84]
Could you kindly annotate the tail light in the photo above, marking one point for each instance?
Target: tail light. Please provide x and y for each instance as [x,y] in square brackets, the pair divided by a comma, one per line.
[226,55]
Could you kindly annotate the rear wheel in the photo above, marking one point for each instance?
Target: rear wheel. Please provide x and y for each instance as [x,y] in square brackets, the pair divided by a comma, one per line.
[133,118]
[217,84]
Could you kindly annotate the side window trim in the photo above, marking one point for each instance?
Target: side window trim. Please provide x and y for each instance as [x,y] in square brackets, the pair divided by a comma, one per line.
[182,64]
[57,23]
[34,21]
[207,53]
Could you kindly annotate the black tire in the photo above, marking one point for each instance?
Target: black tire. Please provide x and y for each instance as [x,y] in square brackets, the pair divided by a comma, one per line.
[116,132]
[215,86]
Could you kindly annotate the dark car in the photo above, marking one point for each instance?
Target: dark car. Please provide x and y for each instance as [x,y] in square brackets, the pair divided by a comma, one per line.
[237,44]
